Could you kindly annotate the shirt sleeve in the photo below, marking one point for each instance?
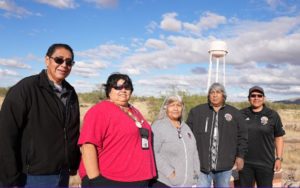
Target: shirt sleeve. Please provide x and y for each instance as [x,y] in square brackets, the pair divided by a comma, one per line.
[94,126]
[278,129]
[242,136]
[12,115]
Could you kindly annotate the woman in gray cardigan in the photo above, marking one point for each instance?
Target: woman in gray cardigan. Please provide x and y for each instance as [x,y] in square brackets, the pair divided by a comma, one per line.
[176,154]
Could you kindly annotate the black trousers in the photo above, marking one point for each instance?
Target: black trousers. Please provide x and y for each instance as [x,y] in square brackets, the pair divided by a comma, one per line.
[102,181]
[263,176]
[155,183]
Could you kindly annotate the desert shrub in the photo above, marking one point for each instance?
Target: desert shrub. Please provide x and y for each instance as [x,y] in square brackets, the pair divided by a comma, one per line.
[154,105]
[277,106]
[91,97]
[3,91]
[191,101]
[239,105]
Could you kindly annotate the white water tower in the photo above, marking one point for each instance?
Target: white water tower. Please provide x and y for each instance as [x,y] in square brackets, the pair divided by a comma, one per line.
[217,51]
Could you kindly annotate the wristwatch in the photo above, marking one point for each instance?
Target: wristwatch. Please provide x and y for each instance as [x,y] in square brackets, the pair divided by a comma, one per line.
[279,158]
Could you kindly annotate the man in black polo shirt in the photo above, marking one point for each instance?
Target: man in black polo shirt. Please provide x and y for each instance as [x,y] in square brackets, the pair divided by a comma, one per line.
[265,142]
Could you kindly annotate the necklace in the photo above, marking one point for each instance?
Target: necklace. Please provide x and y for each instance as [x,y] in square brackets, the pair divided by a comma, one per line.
[132,116]
[177,125]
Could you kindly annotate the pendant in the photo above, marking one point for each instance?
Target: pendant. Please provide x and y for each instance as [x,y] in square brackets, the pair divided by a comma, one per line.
[138,124]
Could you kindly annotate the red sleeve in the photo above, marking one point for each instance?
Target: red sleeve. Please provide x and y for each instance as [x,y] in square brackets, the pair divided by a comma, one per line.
[94,126]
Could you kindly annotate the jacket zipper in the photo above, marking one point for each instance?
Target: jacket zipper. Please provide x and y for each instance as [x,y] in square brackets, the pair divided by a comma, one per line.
[65,120]
[66,130]
[186,166]
[206,123]
[210,141]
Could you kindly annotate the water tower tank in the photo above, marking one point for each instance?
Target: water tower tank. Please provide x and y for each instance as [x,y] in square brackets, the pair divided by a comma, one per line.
[218,49]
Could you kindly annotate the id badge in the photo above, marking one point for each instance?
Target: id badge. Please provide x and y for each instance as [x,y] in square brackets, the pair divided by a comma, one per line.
[144,138]
[145,143]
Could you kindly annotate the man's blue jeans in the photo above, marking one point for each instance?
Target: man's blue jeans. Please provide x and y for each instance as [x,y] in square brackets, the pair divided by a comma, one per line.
[219,179]
[59,180]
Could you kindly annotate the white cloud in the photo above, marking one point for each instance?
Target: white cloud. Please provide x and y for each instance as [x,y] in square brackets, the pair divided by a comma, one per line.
[13,63]
[253,47]
[62,4]
[275,82]
[181,50]
[156,44]
[104,3]
[84,86]
[191,27]
[6,73]
[274,3]
[210,20]
[107,51]
[151,27]
[90,69]
[170,23]
[277,41]
[281,81]
[163,84]
[13,10]
[282,6]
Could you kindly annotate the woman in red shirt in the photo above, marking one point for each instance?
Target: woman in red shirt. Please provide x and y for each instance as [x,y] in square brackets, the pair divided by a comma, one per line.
[116,140]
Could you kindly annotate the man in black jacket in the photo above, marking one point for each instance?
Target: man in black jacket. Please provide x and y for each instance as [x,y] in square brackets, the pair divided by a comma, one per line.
[221,137]
[39,126]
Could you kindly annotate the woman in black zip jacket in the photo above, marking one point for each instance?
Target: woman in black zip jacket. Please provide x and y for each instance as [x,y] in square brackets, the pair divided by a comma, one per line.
[39,126]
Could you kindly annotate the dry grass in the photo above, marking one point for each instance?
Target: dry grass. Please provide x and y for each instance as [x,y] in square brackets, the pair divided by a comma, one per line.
[291,163]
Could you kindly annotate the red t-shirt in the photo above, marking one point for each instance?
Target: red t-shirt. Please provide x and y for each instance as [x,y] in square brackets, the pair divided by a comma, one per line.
[118,142]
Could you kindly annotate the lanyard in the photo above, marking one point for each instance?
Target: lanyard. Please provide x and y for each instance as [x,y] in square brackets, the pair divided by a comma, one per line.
[143,131]
[134,118]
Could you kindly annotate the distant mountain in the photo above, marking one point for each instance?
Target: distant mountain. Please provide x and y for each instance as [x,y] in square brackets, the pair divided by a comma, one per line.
[289,101]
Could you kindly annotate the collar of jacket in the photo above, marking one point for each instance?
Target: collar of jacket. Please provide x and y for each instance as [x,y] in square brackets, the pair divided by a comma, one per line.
[45,82]
[212,108]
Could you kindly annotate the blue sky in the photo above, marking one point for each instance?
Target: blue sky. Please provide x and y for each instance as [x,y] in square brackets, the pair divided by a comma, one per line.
[161,44]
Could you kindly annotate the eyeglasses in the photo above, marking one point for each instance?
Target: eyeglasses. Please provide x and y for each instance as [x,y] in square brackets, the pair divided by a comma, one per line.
[123,86]
[61,60]
[256,95]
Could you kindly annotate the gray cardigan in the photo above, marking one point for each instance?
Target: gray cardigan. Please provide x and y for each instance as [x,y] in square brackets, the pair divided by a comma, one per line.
[175,154]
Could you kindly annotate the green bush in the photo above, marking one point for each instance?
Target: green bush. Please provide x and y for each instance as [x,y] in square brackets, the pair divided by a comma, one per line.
[3,91]
[91,97]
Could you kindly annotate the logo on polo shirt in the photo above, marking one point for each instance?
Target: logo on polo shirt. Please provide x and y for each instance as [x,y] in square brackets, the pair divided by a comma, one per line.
[264,120]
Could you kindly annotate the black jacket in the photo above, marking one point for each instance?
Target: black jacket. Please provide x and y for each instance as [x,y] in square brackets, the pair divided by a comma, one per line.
[38,134]
[232,135]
